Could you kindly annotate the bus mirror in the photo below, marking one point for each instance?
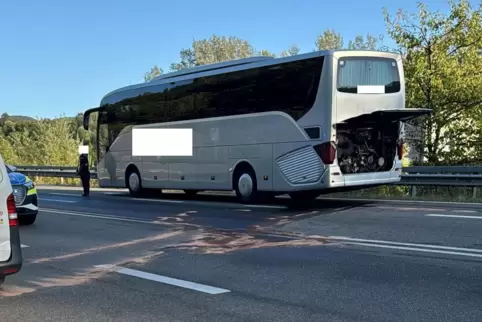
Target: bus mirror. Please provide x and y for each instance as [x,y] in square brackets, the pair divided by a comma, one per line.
[87,116]
[86,120]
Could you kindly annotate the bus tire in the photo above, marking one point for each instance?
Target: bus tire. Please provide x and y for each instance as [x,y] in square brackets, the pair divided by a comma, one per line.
[304,196]
[245,185]
[134,182]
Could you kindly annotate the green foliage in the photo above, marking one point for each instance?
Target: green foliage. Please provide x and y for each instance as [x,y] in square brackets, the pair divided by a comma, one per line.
[40,142]
[331,39]
[291,51]
[154,72]
[221,48]
[443,70]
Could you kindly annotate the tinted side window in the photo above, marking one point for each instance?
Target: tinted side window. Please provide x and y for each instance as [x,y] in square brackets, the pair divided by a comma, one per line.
[370,71]
[289,87]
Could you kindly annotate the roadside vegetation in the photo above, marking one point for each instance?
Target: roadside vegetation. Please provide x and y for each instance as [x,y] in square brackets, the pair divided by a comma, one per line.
[442,56]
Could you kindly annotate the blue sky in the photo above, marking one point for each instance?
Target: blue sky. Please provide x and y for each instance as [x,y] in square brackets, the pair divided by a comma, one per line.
[60,57]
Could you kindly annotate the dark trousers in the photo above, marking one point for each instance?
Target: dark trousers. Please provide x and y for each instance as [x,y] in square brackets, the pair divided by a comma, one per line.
[85,183]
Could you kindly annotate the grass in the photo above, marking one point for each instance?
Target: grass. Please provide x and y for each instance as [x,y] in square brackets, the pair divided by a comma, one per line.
[427,193]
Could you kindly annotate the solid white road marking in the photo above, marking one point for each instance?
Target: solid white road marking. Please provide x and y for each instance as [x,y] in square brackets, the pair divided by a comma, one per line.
[93,215]
[214,203]
[166,280]
[59,200]
[417,249]
[374,241]
[465,211]
[24,246]
[454,216]
[190,202]
[410,201]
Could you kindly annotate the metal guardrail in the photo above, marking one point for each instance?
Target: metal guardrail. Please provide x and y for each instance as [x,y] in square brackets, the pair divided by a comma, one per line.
[52,171]
[458,176]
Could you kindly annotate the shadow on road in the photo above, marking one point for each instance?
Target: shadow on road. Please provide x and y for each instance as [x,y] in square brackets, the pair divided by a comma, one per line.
[288,212]
[228,197]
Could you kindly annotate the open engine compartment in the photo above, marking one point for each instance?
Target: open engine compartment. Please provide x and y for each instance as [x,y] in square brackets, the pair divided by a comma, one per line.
[366,148]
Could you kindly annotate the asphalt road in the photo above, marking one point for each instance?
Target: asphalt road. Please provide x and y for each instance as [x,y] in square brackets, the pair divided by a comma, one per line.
[112,258]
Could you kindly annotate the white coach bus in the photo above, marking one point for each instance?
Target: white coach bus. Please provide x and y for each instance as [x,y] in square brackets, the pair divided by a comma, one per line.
[303,125]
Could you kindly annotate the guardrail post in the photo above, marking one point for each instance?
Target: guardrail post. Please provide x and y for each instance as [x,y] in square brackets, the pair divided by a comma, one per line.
[413,191]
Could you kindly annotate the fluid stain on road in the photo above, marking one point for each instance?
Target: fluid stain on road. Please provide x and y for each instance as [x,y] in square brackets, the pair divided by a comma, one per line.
[109,247]
[222,243]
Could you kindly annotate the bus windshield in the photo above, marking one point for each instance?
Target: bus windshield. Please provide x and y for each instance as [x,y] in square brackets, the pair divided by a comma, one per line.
[367,71]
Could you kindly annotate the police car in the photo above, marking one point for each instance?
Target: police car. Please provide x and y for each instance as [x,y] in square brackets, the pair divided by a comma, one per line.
[25,194]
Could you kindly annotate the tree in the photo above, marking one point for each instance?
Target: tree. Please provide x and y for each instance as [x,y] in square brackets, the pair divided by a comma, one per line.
[155,71]
[291,51]
[330,39]
[266,53]
[443,71]
[214,50]
[188,60]
[54,142]
[367,43]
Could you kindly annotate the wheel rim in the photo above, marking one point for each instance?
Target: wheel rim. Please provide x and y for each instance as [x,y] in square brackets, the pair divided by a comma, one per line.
[245,185]
[134,182]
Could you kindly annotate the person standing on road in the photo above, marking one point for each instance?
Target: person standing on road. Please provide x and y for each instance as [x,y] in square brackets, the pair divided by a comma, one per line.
[84,173]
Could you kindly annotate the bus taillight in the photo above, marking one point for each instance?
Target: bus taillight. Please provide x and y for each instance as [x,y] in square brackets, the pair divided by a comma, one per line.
[326,151]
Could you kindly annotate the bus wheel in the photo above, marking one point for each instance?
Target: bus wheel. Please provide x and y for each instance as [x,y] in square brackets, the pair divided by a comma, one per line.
[246,186]
[304,195]
[134,183]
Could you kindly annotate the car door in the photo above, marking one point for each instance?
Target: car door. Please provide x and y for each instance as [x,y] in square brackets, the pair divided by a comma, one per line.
[5,204]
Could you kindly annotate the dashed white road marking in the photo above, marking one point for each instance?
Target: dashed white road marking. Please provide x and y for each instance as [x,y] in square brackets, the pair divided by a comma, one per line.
[166,280]
[59,200]
[454,216]
[24,246]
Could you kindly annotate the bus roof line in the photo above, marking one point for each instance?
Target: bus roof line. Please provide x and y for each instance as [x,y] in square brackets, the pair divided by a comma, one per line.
[221,65]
